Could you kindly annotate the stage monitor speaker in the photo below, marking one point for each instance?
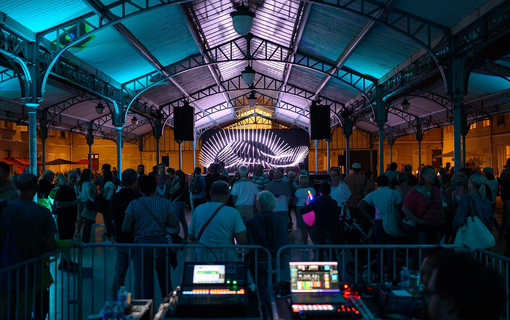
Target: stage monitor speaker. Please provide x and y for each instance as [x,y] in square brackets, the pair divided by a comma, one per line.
[184,123]
[319,122]
[165,160]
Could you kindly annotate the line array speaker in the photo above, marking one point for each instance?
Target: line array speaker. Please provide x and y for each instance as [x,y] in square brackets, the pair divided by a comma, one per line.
[184,123]
[319,122]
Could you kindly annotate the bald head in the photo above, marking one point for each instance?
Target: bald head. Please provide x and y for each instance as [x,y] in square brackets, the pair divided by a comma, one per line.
[243,171]
[278,174]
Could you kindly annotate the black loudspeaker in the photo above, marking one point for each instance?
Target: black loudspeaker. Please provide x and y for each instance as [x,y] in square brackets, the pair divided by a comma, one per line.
[165,160]
[341,160]
[319,122]
[184,123]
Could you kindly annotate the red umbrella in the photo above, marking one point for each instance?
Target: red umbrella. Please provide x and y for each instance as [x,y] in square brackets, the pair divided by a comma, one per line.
[26,162]
[86,161]
[11,161]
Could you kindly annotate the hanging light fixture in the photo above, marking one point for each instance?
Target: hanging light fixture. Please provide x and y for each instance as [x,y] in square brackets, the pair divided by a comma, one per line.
[405,104]
[252,99]
[134,121]
[99,108]
[242,19]
[248,75]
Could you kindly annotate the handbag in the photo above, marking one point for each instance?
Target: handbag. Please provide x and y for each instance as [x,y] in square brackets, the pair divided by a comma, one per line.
[87,213]
[407,225]
[474,234]
[391,221]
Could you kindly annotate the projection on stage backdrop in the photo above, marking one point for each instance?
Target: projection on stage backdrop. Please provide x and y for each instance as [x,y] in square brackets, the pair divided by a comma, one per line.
[273,148]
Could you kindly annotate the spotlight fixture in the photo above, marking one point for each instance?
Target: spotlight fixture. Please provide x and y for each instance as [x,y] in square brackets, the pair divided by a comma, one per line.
[252,100]
[100,108]
[405,105]
[248,75]
[242,19]
[134,121]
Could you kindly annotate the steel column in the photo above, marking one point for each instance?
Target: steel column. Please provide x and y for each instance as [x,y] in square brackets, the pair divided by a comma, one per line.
[328,155]
[43,157]
[457,123]
[180,154]
[381,149]
[119,151]
[347,154]
[316,145]
[419,156]
[32,134]
[90,156]
[158,150]
[194,145]
[463,150]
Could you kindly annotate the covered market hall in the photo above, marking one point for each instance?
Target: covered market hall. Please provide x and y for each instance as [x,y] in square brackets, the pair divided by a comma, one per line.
[283,89]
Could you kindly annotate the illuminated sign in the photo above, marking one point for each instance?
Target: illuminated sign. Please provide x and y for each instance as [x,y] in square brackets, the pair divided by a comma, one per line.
[238,147]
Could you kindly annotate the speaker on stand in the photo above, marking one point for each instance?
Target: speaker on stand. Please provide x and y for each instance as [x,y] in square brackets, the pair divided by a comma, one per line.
[184,123]
[319,121]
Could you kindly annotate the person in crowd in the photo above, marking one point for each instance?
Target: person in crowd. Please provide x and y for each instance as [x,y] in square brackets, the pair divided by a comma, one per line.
[281,190]
[60,180]
[475,203]
[271,175]
[176,194]
[408,169]
[463,188]
[223,170]
[114,171]
[446,195]
[260,178]
[423,206]
[86,193]
[27,231]
[109,189]
[45,184]
[163,180]
[447,166]
[291,177]
[302,169]
[98,183]
[368,175]
[154,171]
[235,178]
[357,184]
[67,210]
[171,174]
[326,213]
[197,189]
[78,172]
[7,189]
[386,202]
[340,192]
[243,194]
[300,200]
[140,170]
[493,185]
[265,229]
[119,203]
[147,218]
[211,178]
[215,225]
[448,295]
[403,186]
[392,172]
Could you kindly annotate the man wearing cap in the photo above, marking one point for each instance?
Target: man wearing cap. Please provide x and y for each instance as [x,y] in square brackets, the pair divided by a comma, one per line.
[356,183]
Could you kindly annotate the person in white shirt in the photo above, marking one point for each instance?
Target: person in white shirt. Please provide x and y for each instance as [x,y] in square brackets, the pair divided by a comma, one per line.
[243,194]
[221,229]
[300,200]
[340,193]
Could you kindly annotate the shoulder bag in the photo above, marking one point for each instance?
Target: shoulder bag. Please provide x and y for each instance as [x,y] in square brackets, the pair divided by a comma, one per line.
[208,221]
[474,234]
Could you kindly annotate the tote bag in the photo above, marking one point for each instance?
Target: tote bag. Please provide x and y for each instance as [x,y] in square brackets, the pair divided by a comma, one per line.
[474,233]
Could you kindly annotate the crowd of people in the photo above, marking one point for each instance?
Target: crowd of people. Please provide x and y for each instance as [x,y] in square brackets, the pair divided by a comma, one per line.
[150,209]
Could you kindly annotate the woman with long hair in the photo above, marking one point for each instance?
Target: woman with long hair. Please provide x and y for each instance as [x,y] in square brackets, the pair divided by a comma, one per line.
[176,194]
[86,192]
[108,191]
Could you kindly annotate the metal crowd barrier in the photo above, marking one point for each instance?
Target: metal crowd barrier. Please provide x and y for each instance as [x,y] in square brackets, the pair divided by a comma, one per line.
[38,287]
[97,269]
[500,264]
[356,263]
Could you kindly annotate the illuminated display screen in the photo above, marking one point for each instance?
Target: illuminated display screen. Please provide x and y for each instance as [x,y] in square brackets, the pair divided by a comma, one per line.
[209,274]
[271,148]
[314,277]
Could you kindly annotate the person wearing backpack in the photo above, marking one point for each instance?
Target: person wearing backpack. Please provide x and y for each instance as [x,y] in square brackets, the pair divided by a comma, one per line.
[197,189]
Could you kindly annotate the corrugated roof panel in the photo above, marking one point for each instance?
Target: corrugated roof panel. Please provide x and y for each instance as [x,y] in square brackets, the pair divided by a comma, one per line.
[480,85]
[195,79]
[392,49]
[323,30]
[305,78]
[337,90]
[164,33]
[41,15]
[109,46]
[270,69]
[295,100]
[163,93]
[230,70]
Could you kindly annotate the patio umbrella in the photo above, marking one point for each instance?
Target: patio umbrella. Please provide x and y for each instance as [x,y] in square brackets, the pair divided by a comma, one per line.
[86,162]
[59,162]
[11,161]
[450,155]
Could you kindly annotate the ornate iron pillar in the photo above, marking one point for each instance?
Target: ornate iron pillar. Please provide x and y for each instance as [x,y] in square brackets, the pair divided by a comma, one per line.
[90,142]
[381,118]
[43,131]
[157,132]
[371,146]
[457,90]
[32,134]
[464,130]
[328,165]
[347,131]
[419,138]
[194,146]
[316,145]
[140,148]
[119,150]
[180,154]
[391,142]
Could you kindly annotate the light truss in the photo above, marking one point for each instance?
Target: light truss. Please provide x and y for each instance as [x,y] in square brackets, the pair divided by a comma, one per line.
[249,147]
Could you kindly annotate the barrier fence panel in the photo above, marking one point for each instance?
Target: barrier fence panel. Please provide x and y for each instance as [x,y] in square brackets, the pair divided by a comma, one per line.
[356,263]
[39,289]
[500,264]
[100,280]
